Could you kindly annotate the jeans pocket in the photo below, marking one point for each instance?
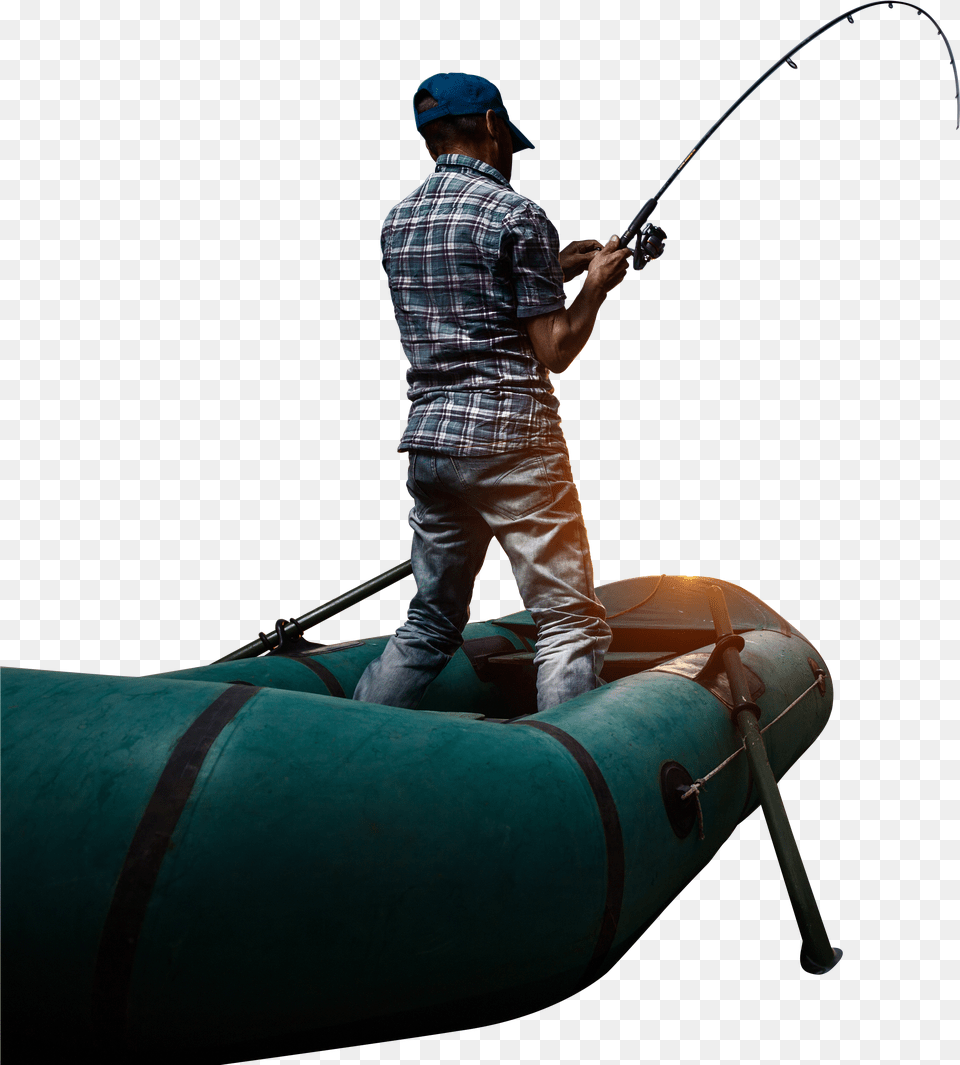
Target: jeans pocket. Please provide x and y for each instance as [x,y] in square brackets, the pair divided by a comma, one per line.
[516,485]
[418,477]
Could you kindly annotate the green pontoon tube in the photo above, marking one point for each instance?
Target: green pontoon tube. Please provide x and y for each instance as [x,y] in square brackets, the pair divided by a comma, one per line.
[238,861]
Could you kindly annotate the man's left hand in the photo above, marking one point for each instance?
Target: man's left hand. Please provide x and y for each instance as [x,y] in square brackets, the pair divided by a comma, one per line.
[575,257]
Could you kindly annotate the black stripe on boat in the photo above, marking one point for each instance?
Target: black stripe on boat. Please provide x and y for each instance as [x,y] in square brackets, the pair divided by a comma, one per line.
[613,840]
[335,687]
[131,896]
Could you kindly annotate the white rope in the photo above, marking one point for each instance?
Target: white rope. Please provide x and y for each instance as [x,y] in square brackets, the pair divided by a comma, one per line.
[697,786]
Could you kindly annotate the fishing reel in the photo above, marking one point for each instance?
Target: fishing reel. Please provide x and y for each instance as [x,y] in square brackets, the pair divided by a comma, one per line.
[649,245]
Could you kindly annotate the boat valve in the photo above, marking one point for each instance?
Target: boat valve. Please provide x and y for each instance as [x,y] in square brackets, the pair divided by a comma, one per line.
[675,783]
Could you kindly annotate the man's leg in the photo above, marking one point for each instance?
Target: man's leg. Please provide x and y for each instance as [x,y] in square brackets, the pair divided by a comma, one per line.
[450,541]
[531,504]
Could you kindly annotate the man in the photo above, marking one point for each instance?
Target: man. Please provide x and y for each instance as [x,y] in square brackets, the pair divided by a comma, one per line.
[476,278]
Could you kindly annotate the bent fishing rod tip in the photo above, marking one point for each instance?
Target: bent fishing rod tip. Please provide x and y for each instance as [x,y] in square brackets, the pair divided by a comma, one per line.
[647,209]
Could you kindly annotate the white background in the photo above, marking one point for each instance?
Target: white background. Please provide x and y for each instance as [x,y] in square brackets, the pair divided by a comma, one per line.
[205,389]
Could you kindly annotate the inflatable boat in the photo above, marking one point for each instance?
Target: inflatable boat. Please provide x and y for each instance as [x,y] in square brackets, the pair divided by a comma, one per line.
[238,861]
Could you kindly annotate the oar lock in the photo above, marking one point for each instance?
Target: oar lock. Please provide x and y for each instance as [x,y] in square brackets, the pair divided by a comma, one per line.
[290,640]
[714,664]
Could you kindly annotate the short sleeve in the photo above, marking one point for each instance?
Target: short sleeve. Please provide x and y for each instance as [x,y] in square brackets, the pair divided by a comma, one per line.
[386,239]
[532,247]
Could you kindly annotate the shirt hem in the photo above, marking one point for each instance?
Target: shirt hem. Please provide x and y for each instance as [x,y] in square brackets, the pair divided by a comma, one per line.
[487,450]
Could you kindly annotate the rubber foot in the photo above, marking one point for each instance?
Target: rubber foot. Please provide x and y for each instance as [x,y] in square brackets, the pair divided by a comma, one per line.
[810,966]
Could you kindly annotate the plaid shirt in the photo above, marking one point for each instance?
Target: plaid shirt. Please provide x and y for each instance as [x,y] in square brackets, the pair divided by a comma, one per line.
[467,258]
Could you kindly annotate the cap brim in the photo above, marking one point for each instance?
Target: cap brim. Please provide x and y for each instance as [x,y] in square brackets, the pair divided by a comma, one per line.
[519,140]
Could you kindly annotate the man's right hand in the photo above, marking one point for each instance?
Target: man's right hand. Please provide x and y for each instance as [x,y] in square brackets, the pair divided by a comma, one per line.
[609,266]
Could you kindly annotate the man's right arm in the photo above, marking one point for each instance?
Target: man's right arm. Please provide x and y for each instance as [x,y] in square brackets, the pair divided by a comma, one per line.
[559,337]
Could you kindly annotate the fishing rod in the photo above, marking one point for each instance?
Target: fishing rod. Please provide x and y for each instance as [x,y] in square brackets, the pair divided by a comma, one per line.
[650,241]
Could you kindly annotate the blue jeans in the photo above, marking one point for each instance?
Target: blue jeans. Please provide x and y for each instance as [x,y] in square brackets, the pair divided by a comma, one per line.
[528,501]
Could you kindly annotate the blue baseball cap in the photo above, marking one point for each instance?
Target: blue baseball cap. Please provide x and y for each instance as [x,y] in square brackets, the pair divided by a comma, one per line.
[466,94]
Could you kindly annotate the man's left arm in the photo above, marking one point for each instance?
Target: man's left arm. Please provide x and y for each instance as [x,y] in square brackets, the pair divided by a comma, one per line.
[575,257]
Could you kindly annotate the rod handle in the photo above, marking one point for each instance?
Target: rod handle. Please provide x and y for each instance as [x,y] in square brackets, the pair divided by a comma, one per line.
[637,224]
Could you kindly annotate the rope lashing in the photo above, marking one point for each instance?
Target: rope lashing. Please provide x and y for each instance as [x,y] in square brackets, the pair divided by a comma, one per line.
[694,790]
[642,602]
[700,783]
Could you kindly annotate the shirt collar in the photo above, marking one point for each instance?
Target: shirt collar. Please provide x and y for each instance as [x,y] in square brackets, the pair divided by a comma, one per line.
[448,162]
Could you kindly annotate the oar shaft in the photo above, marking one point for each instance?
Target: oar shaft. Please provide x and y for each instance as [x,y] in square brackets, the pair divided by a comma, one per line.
[816,955]
[321,613]
[816,945]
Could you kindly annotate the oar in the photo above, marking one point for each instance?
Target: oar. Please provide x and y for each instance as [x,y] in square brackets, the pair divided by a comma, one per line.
[816,954]
[321,613]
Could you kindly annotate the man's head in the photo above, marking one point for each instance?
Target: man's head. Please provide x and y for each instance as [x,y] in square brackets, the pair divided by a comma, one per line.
[464,114]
